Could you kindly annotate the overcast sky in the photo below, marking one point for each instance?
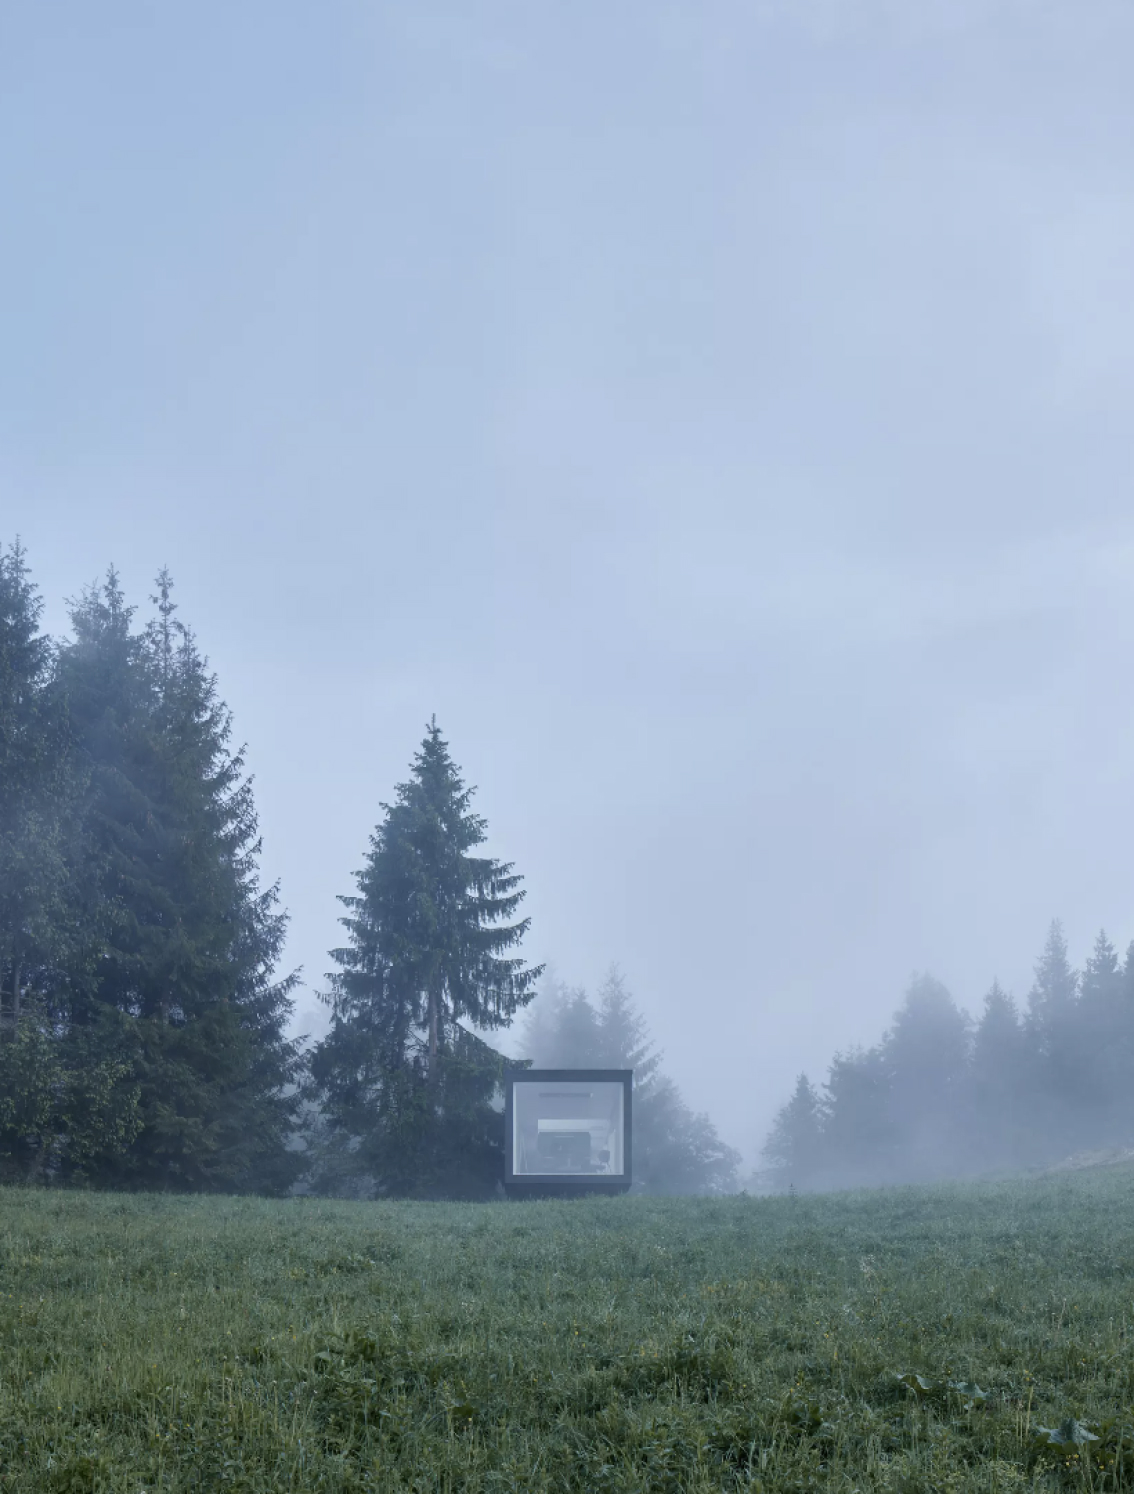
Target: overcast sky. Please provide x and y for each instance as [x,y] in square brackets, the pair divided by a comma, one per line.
[719,414]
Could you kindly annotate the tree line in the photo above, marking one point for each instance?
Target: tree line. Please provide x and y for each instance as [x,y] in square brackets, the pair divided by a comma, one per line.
[940,1094]
[676,1150]
[143,1018]
[142,1025]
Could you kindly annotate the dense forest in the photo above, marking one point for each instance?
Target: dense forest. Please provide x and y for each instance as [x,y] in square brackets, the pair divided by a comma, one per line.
[942,1095]
[143,1018]
[142,1022]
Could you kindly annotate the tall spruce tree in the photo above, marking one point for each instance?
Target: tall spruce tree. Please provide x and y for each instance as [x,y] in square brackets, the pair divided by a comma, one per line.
[1100,1074]
[538,1038]
[36,801]
[1119,1059]
[1053,1028]
[624,1040]
[861,1142]
[189,938]
[67,1101]
[676,1150]
[998,1126]
[578,1040]
[1052,999]
[404,1083]
[794,1148]
[925,1054]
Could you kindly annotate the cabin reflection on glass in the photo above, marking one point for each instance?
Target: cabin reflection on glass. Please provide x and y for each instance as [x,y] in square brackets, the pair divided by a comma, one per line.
[567,1131]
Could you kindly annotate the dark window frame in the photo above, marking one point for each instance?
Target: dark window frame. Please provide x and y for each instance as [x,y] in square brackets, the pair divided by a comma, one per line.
[566,1185]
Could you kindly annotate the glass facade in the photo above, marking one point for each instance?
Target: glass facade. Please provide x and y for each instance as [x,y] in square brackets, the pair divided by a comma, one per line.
[568,1128]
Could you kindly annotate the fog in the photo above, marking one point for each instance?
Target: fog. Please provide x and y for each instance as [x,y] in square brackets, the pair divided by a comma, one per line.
[717,415]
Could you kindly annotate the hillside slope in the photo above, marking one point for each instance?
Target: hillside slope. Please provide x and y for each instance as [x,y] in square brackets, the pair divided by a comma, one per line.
[622,1344]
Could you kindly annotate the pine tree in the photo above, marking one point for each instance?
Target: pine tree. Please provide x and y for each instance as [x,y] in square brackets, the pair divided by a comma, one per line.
[925,1054]
[539,1036]
[67,1103]
[624,1040]
[189,938]
[1052,1025]
[561,1028]
[1101,1076]
[1119,1058]
[794,1148]
[577,1038]
[861,1143]
[429,949]
[1052,999]
[1101,977]
[37,791]
[997,1111]
[675,1150]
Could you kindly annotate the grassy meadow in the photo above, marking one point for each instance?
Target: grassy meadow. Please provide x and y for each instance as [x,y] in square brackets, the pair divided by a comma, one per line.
[973,1337]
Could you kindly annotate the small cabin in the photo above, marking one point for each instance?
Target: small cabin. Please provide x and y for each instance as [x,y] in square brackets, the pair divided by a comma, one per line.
[567,1131]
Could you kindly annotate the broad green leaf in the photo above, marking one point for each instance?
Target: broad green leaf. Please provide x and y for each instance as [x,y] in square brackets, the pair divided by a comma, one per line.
[1069,1433]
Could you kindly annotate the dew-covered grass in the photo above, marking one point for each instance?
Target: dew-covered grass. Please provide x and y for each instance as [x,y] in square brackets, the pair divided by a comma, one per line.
[962,1338]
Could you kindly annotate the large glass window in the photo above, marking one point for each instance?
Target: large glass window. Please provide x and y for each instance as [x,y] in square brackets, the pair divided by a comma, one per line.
[568,1128]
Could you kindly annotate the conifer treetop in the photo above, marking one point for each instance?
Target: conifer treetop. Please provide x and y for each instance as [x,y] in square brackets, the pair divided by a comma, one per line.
[436,918]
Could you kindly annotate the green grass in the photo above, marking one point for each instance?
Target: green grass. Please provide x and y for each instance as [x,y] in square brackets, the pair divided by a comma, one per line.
[169,1343]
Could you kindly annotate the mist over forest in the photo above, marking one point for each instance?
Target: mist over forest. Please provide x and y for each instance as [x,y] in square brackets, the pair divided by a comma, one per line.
[566,584]
[717,417]
[943,1096]
[143,1012]
[144,1009]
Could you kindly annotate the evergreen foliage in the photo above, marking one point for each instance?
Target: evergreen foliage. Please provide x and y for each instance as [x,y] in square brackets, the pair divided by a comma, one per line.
[941,1096]
[153,1053]
[793,1147]
[624,1040]
[37,798]
[998,1083]
[68,1107]
[404,1086]
[675,1150]
[142,1019]
[925,1058]
[858,1132]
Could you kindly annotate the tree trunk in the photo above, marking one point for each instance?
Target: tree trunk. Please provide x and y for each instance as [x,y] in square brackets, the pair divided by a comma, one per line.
[16,996]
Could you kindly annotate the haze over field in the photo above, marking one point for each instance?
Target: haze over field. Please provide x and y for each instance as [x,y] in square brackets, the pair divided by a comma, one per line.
[718,416]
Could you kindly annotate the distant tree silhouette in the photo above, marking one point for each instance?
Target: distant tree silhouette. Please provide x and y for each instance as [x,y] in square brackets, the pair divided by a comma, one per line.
[624,1040]
[676,1150]
[860,1139]
[998,1107]
[1053,1028]
[1117,1063]
[794,1148]
[939,1096]
[1099,1047]
[925,1056]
